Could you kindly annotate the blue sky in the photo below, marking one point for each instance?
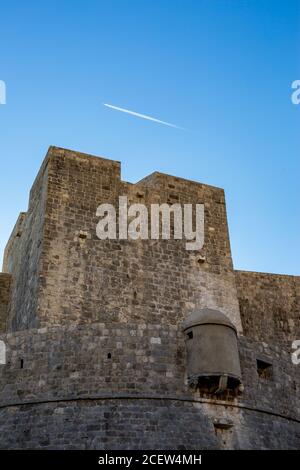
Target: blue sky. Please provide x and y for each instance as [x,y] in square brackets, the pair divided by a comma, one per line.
[220,68]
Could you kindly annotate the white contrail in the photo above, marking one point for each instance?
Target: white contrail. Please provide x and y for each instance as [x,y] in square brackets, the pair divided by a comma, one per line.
[143,116]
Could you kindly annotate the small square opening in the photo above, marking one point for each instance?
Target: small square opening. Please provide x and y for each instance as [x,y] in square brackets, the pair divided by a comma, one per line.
[83,236]
[264,369]
[190,335]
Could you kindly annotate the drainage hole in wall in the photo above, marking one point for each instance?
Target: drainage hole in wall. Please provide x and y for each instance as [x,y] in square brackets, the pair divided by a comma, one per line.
[264,369]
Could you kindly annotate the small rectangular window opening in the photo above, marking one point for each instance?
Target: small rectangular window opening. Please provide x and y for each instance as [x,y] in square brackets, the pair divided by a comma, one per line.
[190,335]
[264,369]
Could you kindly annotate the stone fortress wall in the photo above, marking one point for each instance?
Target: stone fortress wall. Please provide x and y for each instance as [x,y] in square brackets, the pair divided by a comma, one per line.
[96,355]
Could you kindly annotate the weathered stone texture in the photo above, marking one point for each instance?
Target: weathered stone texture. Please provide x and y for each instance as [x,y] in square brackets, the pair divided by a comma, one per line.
[128,279]
[22,257]
[96,354]
[270,307]
[5,283]
[108,424]
[141,365]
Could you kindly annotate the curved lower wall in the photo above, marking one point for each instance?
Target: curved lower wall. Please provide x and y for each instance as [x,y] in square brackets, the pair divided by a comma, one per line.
[123,386]
[108,424]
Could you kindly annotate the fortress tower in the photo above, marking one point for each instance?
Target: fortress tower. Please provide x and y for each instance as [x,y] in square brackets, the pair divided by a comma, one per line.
[139,344]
